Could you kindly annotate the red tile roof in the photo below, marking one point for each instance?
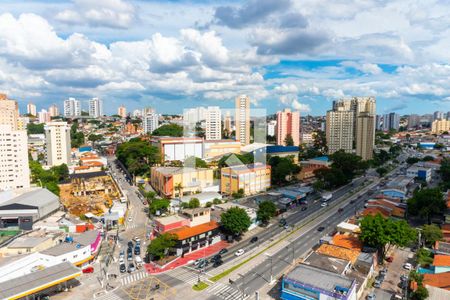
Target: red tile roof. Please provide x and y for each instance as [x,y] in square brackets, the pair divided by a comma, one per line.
[187,232]
[440,280]
[441,261]
[347,241]
[373,211]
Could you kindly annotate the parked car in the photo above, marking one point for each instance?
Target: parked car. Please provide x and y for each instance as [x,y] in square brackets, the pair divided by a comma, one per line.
[136,239]
[202,264]
[217,263]
[324,204]
[89,269]
[130,244]
[321,228]
[383,272]
[122,254]
[130,256]
[122,268]
[197,261]
[239,252]
[340,210]
[216,257]
[403,277]
[407,266]
[304,208]
[121,260]
[131,268]
[377,284]
[352,201]
[223,251]
[254,239]
[286,226]
[138,261]
[371,296]
[282,222]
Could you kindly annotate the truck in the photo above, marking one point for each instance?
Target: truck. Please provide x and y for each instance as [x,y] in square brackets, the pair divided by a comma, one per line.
[326,196]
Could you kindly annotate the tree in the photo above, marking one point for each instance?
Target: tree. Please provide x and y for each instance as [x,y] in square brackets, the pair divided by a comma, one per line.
[137,156]
[169,130]
[421,293]
[383,233]
[160,246]
[235,159]
[76,138]
[194,203]
[381,171]
[61,172]
[431,234]
[424,257]
[179,188]
[350,164]
[35,128]
[235,220]
[428,158]
[266,210]
[195,162]
[160,205]
[412,160]
[282,168]
[95,138]
[239,194]
[426,202]
[288,141]
[320,142]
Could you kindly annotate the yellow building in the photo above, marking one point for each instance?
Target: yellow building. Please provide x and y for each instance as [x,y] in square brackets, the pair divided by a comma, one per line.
[172,181]
[252,179]
[217,149]
[440,126]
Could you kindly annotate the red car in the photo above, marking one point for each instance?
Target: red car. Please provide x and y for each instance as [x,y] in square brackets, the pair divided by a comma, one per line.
[89,269]
[390,259]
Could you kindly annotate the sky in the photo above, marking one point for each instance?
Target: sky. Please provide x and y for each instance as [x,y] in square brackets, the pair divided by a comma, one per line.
[298,54]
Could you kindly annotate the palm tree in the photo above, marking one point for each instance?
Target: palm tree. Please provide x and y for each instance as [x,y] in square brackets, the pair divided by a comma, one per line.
[179,188]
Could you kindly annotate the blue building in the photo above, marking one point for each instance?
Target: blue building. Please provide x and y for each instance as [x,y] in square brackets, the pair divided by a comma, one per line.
[310,283]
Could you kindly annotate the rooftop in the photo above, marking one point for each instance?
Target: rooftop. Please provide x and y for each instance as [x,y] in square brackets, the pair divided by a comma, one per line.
[437,293]
[60,249]
[321,158]
[18,286]
[441,280]
[86,238]
[27,242]
[192,211]
[170,219]
[187,232]
[177,170]
[442,247]
[35,197]
[441,260]
[328,263]
[279,149]
[247,168]
[347,241]
[339,252]
[316,278]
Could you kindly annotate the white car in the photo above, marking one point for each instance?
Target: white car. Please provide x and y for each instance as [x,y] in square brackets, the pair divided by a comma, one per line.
[239,252]
[130,219]
[407,266]
[324,204]
[136,239]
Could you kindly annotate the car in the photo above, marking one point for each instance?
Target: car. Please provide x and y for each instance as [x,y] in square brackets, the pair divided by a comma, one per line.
[239,252]
[304,208]
[340,210]
[403,277]
[88,269]
[217,263]
[390,259]
[130,219]
[352,201]
[137,239]
[371,296]
[197,261]
[131,267]
[396,297]
[223,251]
[383,272]
[130,244]
[137,250]
[216,257]
[407,266]
[122,254]
[286,226]
[122,268]
[121,260]
[254,239]
[283,222]
[324,204]
[377,284]
[130,256]
[129,250]
[202,264]
[380,278]
[321,228]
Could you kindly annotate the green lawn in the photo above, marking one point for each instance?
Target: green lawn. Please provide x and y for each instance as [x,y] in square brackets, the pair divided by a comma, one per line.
[200,286]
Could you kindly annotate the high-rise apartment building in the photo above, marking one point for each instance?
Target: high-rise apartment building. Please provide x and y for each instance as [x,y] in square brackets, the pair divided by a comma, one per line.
[191,116]
[379,122]
[413,121]
[288,124]
[137,113]
[53,110]
[339,129]
[9,112]
[352,122]
[242,119]
[227,124]
[31,109]
[213,130]
[271,127]
[14,170]
[95,107]
[44,116]
[391,121]
[149,120]
[440,126]
[72,108]
[57,143]
[122,112]
[438,115]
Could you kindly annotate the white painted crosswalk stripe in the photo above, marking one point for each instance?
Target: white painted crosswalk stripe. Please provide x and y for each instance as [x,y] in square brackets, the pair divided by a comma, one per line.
[187,275]
[225,291]
[109,296]
[133,277]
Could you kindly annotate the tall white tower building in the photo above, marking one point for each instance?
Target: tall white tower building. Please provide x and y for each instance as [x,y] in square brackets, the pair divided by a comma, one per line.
[72,108]
[31,109]
[242,119]
[213,123]
[149,120]
[95,107]
[57,136]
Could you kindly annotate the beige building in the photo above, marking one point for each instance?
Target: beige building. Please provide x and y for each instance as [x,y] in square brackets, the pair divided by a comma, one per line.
[217,149]
[365,135]
[252,179]
[31,109]
[339,130]
[57,135]
[9,112]
[288,123]
[178,181]
[227,124]
[53,111]
[242,119]
[213,130]
[44,116]
[27,244]
[122,112]
[440,126]
[22,123]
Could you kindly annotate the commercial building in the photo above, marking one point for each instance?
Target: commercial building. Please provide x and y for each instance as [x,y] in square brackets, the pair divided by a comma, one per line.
[57,143]
[419,172]
[213,130]
[14,169]
[72,108]
[149,120]
[242,119]
[308,282]
[53,110]
[178,148]
[9,112]
[252,179]
[440,126]
[217,149]
[95,107]
[288,124]
[178,181]
[21,208]
[271,127]
[122,112]
[31,109]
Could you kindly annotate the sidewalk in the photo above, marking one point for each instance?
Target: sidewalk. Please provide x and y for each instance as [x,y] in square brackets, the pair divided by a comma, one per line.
[182,261]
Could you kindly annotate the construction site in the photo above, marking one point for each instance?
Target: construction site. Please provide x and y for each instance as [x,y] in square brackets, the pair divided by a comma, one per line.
[89,193]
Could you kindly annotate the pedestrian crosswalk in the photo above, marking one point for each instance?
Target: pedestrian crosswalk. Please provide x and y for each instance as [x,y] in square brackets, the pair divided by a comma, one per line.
[136,276]
[109,296]
[188,275]
[225,292]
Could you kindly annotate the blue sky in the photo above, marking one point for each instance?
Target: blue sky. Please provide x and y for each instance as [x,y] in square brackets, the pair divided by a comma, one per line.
[179,54]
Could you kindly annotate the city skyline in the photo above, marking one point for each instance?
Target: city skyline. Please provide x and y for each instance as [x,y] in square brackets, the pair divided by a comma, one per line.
[214,51]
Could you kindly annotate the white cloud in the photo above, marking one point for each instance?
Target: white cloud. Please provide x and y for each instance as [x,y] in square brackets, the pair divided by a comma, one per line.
[305,108]
[208,44]
[367,68]
[286,89]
